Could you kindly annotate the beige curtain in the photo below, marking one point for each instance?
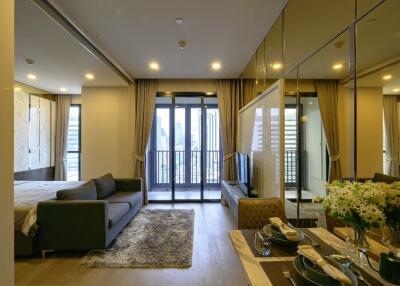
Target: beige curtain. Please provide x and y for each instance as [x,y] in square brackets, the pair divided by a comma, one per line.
[230,100]
[327,92]
[392,134]
[249,90]
[144,103]
[62,118]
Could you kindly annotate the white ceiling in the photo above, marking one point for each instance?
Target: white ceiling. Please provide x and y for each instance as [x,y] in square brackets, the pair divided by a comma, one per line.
[139,31]
[60,61]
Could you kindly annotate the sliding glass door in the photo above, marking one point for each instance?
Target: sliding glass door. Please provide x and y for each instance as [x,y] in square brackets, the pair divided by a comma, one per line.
[185,152]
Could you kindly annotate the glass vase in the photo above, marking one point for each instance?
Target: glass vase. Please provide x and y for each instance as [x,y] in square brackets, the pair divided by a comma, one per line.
[360,238]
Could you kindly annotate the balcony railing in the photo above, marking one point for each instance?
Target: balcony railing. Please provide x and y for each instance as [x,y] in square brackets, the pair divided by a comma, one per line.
[188,167]
[290,168]
[189,172]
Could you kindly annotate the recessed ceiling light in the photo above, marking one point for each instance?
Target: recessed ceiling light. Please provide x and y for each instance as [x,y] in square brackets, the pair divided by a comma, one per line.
[337,66]
[154,66]
[216,66]
[387,77]
[17,88]
[179,21]
[31,76]
[396,90]
[63,89]
[209,93]
[89,76]
[276,66]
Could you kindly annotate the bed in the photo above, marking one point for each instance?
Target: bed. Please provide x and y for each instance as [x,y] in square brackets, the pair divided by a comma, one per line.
[27,195]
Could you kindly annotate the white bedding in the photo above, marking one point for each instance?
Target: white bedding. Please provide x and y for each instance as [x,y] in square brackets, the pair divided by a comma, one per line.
[28,194]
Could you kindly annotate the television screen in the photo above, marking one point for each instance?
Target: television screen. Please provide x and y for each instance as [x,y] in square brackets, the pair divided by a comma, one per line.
[243,172]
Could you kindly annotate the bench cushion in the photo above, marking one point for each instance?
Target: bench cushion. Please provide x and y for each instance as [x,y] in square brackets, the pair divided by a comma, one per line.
[115,213]
[87,191]
[125,197]
[105,186]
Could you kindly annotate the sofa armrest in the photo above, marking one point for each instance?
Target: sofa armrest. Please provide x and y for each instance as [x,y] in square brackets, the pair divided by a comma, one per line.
[72,225]
[129,185]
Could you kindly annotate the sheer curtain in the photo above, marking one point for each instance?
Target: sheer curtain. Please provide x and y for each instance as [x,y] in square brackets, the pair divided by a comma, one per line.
[62,118]
[392,134]
[145,93]
[327,92]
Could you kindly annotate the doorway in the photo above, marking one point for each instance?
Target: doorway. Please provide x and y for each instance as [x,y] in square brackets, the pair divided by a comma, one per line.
[185,151]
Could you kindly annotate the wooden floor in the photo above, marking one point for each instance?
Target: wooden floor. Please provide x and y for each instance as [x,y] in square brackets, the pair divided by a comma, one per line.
[214,260]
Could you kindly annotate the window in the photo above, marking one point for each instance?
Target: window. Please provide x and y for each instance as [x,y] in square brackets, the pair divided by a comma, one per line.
[74,144]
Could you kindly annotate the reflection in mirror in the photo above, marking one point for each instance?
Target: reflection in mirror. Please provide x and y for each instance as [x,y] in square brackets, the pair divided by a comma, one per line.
[378,90]
[309,24]
[274,52]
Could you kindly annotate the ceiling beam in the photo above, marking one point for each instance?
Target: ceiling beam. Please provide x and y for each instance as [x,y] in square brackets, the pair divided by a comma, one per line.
[83,39]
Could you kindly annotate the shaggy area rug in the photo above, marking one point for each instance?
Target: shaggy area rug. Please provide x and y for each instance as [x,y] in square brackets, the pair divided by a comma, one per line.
[155,238]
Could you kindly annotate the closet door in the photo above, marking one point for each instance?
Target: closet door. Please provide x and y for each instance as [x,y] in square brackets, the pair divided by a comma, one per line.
[34,133]
[45,131]
[21,131]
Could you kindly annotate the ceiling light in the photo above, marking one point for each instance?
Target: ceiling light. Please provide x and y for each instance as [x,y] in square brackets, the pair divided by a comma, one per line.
[167,92]
[216,66]
[89,76]
[276,66]
[337,66]
[209,93]
[154,66]
[63,89]
[396,90]
[387,77]
[17,88]
[179,21]
[182,44]
[31,76]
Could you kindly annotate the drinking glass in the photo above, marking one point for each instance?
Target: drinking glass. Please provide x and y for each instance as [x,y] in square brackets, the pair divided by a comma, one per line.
[262,243]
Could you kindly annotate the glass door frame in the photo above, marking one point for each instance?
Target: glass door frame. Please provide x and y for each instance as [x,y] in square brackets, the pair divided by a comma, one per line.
[172,161]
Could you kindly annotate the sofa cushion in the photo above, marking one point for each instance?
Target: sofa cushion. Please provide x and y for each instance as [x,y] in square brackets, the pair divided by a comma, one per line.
[105,186]
[115,212]
[124,197]
[87,191]
[378,177]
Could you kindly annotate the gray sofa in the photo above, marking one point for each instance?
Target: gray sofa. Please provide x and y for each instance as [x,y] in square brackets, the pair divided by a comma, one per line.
[90,216]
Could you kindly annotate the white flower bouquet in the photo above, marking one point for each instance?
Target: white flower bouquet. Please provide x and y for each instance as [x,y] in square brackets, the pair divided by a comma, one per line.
[361,205]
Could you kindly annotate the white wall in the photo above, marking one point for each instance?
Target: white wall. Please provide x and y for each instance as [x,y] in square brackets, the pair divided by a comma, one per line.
[107,131]
[6,143]
[189,85]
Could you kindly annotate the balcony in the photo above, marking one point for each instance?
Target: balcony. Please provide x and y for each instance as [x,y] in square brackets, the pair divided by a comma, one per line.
[188,168]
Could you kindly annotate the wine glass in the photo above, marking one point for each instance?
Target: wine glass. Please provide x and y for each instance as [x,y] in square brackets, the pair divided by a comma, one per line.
[262,243]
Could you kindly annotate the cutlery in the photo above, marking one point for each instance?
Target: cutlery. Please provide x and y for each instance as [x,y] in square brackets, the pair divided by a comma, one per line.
[360,277]
[287,275]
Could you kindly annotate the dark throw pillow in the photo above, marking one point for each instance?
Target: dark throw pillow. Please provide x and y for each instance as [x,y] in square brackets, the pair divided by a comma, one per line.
[105,186]
[87,191]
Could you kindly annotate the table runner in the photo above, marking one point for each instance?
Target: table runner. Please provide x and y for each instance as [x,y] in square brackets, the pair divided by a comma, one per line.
[273,269]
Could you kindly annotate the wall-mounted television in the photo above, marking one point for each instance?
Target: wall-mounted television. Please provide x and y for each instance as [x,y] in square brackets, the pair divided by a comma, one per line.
[243,172]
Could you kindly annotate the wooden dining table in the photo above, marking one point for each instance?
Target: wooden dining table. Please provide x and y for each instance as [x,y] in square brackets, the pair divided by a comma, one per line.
[266,271]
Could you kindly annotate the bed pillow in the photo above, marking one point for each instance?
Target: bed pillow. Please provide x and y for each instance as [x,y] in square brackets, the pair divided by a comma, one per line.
[105,186]
[87,191]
